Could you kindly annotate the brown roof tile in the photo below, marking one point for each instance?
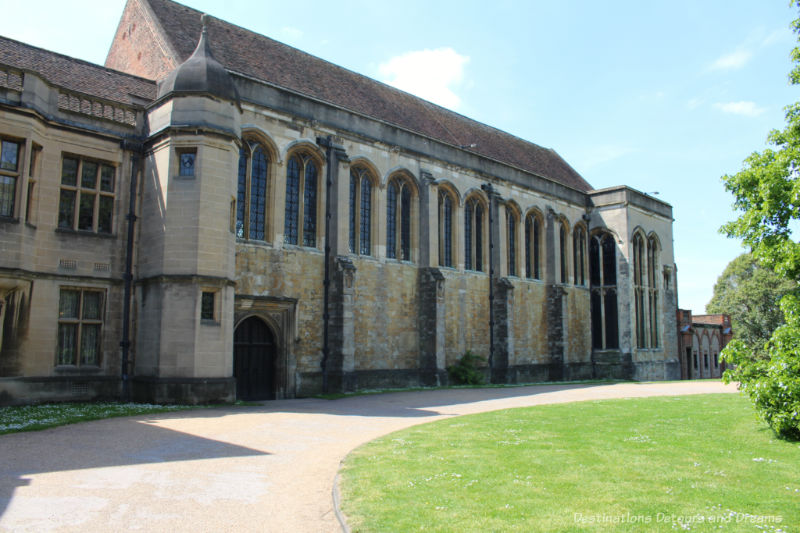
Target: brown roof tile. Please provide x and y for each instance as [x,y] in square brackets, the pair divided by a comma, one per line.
[712,320]
[260,57]
[75,74]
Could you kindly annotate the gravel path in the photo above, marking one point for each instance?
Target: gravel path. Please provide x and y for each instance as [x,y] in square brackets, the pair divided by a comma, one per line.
[261,469]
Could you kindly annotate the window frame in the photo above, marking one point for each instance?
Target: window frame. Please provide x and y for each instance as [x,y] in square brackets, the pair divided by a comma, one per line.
[447,213]
[13,175]
[603,282]
[533,245]
[563,252]
[245,199]
[209,311]
[512,254]
[646,251]
[182,155]
[81,324]
[361,209]
[579,255]
[399,218]
[301,201]
[474,239]
[79,190]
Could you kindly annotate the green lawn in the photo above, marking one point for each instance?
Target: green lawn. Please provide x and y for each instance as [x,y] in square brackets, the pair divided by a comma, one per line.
[697,463]
[36,417]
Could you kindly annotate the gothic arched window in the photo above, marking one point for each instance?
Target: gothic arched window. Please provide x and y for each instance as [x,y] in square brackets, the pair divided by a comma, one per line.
[446,212]
[473,234]
[533,242]
[398,216]
[562,252]
[360,212]
[301,200]
[603,282]
[639,292]
[579,256]
[251,196]
[511,234]
[652,289]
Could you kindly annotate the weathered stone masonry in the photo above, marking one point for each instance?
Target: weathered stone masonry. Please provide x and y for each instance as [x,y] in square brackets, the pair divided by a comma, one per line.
[223,124]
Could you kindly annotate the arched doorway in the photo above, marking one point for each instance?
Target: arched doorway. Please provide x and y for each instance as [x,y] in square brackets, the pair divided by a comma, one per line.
[254,350]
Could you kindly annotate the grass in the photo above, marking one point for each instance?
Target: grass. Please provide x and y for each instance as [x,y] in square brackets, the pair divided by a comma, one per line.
[697,463]
[37,417]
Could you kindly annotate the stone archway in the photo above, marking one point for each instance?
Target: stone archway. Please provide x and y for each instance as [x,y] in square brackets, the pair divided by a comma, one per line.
[254,360]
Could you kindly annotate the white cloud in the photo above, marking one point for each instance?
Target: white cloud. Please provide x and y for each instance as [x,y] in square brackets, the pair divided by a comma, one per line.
[734,60]
[747,109]
[430,74]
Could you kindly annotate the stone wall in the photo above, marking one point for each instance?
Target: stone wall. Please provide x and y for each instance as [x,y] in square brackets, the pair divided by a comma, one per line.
[288,272]
[385,313]
[530,324]
[466,314]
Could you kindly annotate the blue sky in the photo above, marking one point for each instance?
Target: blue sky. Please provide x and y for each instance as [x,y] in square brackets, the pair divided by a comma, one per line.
[662,96]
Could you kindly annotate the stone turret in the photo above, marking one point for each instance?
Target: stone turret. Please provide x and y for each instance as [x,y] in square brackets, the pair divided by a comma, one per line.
[186,278]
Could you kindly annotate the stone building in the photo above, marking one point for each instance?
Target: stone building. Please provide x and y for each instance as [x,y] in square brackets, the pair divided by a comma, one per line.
[213,213]
[701,339]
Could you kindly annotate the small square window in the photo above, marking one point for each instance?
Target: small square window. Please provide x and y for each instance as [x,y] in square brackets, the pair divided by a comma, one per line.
[207,305]
[186,161]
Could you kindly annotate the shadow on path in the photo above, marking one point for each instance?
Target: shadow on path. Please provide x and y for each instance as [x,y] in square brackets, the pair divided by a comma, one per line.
[103,443]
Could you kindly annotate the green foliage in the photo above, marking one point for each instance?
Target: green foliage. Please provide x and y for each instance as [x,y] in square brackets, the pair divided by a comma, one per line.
[767,196]
[772,382]
[467,371]
[751,295]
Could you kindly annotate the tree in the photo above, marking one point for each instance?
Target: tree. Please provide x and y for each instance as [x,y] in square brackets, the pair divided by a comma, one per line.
[767,195]
[751,295]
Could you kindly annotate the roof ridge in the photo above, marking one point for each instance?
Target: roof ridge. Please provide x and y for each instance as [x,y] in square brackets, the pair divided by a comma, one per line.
[245,51]
[355,73]
[77,60]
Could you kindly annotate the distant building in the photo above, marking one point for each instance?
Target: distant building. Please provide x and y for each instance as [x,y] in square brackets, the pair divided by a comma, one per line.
[222,216]
[701,338]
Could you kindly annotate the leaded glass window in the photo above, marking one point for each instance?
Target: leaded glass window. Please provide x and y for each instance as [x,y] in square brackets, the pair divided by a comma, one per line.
[511,233]
[360,211]
[446,206]
[9,176]
[301,201]
[391,220]
[80,322]
[579,256]
[398,219]
[405,222]
[86,201]
[293,170]
[533,236]
[310,205]
[639,292]
[473,234]
[603,284]
[251,196]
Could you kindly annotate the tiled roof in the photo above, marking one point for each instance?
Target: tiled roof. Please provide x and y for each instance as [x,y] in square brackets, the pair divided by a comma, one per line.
[260,57]
[74,74]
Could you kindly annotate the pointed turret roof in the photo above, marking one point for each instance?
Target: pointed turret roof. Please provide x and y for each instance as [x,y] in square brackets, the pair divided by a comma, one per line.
[200,74]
